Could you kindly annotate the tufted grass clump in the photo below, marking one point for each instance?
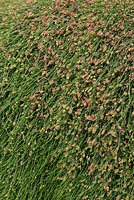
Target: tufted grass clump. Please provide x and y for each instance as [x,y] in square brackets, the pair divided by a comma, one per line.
[67,100]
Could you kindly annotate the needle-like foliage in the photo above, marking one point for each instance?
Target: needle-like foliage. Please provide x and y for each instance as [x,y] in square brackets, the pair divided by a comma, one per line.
[67,100]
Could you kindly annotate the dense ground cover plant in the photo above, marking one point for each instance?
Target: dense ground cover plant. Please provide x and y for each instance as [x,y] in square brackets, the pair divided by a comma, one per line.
[67,100]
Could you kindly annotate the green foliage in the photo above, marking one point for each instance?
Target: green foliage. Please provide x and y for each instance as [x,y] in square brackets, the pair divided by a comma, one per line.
[66,100]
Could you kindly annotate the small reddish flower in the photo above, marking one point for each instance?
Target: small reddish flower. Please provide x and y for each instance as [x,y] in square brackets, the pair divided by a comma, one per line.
[32,97]
[90,30]
[78,111]
[40,46]
[99,33]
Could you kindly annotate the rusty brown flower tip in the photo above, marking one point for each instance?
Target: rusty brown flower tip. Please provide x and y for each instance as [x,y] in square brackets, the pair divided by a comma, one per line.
[100,33]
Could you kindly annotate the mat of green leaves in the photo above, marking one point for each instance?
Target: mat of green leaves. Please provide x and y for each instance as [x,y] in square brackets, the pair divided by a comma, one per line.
[67,100]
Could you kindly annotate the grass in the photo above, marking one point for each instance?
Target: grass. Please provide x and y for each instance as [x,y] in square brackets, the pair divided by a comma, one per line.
[66,100]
